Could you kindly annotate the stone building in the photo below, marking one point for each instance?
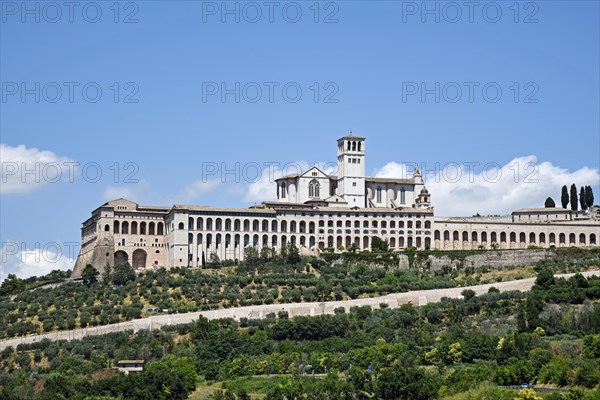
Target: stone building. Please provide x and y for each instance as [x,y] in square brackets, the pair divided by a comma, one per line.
[315,211]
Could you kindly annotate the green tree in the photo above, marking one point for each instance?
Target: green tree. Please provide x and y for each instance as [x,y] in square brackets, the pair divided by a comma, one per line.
[564,197]
[11,285]
[589,196]
[107,274]
[122,274]
[89,275]
[378,244]
[574,203]
[549,203]
[582,199]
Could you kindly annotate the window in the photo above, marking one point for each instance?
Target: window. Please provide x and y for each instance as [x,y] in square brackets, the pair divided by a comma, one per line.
[354,184]
[313,189]
[379,194]
[402,196]
[283,190]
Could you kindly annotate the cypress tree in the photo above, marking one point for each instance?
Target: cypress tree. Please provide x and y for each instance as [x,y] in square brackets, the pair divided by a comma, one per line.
[574,204]
[589,196]
[582,199]
[564,197]
[549,203]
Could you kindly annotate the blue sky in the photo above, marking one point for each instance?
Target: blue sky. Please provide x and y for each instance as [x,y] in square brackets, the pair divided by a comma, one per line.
[366,59]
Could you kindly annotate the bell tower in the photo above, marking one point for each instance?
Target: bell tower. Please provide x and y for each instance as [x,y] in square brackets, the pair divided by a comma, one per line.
[351,170]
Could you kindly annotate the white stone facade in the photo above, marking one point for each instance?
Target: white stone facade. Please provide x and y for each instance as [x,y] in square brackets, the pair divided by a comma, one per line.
[315,211]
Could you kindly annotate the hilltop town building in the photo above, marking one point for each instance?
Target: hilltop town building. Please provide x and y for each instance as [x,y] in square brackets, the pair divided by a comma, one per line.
[315,211]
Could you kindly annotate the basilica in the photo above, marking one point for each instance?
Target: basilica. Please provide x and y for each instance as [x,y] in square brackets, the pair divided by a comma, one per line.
[315,211]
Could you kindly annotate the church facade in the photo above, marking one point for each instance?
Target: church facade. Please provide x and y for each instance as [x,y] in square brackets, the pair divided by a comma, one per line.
[315,211]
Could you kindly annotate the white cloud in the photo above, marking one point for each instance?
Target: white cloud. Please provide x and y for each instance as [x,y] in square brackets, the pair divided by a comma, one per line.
[463,190]
[195,189]
[27,169]
[25,262]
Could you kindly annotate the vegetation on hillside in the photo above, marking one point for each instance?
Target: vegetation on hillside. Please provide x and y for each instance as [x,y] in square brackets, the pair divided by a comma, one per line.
[455,349]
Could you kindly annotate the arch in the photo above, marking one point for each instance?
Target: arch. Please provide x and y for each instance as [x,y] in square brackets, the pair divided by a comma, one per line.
[219,224]
[218,240]
[255,225]
[393,243]
[427,224]
[562,238]
[552,238]
[190,238]
[199,239]
[274,240]
[532,237]
[227,240]
[314,189]
[160,228]
[542,237]
[265,226]
[209,240]
[474,237]
[200,224]
[465,236]
[302,226]
[436,235]
[283,226]
[228,224]
[181,225]
[592,238]
[484,237]
[151,226]
[513,237]
[401,242]
[209,224]
[265,240]
[427,242]
[139,259]
[293,226]
[274,225]
[522,237]
[246,225]
[494,237]
[339,241]
[455,236]
[191,223]
[246,240]
[142,228]
[116,227]
[503,237]
[125,227]
[418,225]
[311,241]
[255,241]
[311,227]
[303,240]
[365,242]
[106,228]
[283,240]
[582,238]
[572,238]
[121,257]
[446,235]
[134,226]
[237,225]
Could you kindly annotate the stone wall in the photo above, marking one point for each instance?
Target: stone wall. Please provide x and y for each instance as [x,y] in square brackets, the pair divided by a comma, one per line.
[491,258]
